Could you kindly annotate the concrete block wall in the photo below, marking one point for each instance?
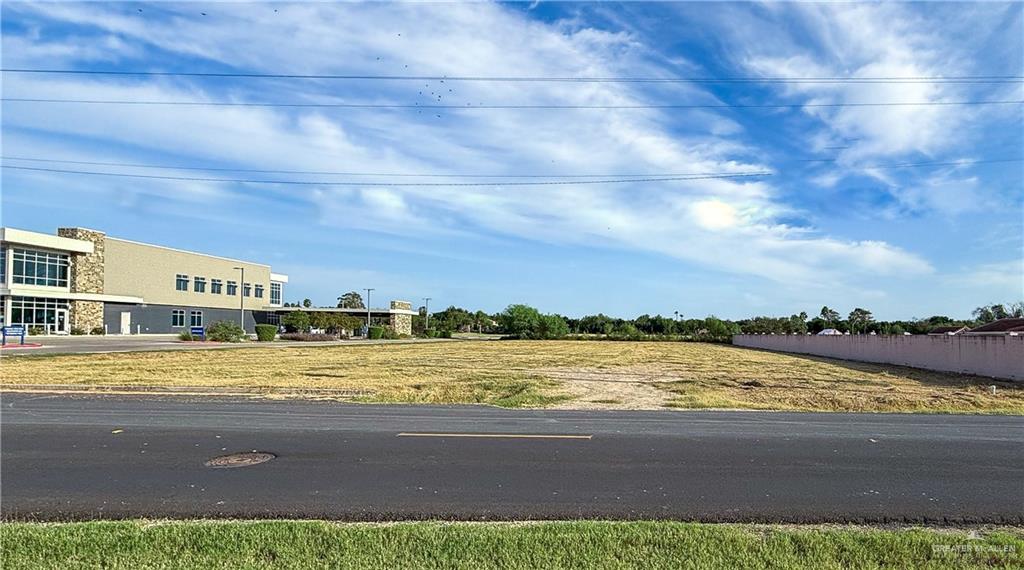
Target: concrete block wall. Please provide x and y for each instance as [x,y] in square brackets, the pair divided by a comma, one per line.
[995,356]
[86,276]
[401,324]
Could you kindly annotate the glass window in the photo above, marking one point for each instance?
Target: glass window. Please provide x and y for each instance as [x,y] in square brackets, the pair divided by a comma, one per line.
[259,291]
[273,319]
[275,293]
[195,319]
[181,282]
[247,290]
[200,285]
[232,288]
[34,267]
[215,286]
[178,318]
[37,312]
[3,266]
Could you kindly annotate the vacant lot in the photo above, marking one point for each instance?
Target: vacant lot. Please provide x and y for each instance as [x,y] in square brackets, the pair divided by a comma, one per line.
[576,374]
[292,544]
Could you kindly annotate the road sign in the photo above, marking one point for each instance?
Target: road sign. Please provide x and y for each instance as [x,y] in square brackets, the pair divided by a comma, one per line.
[13,330]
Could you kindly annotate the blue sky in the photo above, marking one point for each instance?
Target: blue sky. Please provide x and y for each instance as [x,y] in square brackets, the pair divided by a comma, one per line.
[834,224]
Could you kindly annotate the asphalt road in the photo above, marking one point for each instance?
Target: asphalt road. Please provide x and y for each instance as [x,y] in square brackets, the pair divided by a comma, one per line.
[63,460]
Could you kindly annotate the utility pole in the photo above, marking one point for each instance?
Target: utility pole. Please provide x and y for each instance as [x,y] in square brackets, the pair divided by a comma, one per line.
[241,297]
[368,312]
[426,324]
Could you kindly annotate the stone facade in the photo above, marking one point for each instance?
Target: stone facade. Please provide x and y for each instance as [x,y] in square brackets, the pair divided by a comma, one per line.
[86,276]
[401,324]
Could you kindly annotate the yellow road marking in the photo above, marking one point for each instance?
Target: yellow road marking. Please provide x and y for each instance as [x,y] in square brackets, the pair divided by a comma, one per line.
[495,435]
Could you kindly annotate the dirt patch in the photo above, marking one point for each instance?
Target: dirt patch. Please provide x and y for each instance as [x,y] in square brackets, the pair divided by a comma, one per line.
[618,388]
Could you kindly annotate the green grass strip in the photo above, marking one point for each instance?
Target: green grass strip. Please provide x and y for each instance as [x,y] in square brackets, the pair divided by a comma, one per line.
[317,544]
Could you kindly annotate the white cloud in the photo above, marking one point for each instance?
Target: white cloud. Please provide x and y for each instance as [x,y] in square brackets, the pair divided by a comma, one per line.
[730,225]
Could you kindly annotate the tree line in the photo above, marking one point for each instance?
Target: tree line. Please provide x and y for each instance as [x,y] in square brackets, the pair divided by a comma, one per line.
[523,321]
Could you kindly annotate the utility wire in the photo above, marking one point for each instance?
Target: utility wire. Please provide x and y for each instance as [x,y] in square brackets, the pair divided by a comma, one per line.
[390,184]
[470,107]
[336,173]
[965,162]
[919,164]
[535,79]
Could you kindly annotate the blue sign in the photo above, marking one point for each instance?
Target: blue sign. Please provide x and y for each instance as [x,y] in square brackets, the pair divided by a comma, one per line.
[13,330]
[198,331]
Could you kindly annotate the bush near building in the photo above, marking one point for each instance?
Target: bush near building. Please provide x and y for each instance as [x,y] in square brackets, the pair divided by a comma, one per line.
[99,331]
[265,333]
[225,331]
[376,332]
[308,337]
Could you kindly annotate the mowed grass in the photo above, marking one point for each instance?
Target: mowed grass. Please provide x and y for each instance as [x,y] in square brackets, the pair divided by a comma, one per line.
[315,544]
[539,373]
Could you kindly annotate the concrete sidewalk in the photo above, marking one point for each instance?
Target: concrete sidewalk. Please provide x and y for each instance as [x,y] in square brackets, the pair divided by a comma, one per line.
[142,343]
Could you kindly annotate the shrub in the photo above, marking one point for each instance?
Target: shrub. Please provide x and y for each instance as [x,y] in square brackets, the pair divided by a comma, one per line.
[390,334]
[444,334]
[429,333]
[187,336]
[376,332]
[77,331]
[265,333]
[225,331]
[307,337]
[296,321]
[98,331]
[33,331]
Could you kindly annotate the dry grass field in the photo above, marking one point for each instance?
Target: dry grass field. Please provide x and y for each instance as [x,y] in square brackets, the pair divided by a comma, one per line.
[567,374]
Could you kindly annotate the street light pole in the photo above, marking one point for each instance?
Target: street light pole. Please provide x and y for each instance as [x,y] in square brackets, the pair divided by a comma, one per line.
[241,297]
[426,325]
[368,312]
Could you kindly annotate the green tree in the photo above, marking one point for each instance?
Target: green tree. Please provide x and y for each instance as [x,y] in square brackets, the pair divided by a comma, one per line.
[351,300]
[859,320]
[830,316]
[296,321]
[520,321]
[551,327]
[481,320]
[306,303]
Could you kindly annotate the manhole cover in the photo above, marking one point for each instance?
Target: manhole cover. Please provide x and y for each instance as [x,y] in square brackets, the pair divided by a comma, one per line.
[240,460]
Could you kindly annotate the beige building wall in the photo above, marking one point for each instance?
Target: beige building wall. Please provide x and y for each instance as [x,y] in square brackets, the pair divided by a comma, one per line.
[150,272]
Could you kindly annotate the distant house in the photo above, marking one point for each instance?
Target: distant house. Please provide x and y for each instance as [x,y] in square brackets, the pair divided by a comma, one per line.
[1012,326]
[828,332]
[950,330]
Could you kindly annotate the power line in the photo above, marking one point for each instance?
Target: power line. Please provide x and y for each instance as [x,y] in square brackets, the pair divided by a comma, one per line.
[390,184]
[471,107]
[533,79]
[919,164]
[337,173]
[965,162]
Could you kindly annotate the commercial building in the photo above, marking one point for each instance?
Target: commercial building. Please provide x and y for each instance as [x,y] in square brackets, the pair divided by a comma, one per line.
[84,279]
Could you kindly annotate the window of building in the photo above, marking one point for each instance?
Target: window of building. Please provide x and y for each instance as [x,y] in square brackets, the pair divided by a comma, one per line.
[232,288]
[200,285]
[195,319]
[33,267]
[37,312]
[215,286]
[259,291]
[3,265]
[181,282]
[273,319]
[178,318]
[275,293]
[247,290]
